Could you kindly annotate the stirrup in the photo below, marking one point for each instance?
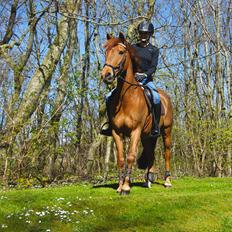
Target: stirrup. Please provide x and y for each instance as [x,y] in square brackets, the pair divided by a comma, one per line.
[107,131]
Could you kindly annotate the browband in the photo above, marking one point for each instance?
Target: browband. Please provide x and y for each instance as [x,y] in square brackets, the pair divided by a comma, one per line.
[122,45]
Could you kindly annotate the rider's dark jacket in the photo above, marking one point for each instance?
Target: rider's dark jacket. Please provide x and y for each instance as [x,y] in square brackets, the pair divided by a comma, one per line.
[149,59]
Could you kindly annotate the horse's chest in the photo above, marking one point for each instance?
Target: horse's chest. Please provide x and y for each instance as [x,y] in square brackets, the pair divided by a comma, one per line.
[130,112]
[124,120]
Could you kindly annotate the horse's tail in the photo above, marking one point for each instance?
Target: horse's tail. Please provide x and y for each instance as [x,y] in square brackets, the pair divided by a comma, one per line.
[147,157]
[142,160]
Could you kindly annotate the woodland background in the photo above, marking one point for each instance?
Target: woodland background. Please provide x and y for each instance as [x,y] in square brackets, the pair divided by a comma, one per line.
[52,97]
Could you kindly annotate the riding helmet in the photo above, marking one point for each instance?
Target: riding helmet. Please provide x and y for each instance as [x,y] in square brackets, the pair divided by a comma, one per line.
[146,27]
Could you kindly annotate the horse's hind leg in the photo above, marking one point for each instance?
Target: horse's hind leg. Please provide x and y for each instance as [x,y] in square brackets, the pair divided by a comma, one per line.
[167,155]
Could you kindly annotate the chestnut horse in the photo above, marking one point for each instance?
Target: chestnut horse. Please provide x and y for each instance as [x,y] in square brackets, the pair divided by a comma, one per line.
[130,113]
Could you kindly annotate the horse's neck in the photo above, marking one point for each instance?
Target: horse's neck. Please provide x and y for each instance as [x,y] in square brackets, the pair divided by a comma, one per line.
[125,86]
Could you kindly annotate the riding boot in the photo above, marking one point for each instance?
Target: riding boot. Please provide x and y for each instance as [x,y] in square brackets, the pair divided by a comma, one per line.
[155,131]
[107,131]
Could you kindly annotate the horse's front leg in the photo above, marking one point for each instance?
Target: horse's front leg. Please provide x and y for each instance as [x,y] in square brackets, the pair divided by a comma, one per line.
[167,156]
[131,156]
[120,159]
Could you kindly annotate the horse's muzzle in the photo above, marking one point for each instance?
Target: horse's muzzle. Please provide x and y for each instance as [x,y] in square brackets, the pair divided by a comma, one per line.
[108,78]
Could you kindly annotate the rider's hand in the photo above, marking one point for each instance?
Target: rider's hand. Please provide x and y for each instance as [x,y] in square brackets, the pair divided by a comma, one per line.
[140,76]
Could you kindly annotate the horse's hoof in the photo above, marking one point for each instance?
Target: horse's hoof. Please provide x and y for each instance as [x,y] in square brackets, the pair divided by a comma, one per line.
[119,190]
[167,185]
[152,177]
[125,192]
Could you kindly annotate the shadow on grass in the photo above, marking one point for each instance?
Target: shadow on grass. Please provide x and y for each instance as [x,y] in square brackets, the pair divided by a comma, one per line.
[115,185]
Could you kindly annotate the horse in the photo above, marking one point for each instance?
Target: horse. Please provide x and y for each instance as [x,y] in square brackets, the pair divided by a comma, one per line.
[130,114]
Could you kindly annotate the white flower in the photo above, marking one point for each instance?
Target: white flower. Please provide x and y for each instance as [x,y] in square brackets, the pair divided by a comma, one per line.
[85,212]
[4,226]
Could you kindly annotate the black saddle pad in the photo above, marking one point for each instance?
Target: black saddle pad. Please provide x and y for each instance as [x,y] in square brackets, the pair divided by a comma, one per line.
[149,96]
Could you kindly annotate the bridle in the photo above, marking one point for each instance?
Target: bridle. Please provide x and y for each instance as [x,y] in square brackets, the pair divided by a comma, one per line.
[120,68]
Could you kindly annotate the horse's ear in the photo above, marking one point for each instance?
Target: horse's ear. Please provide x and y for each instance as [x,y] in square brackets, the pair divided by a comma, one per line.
[122,37]
[109,36]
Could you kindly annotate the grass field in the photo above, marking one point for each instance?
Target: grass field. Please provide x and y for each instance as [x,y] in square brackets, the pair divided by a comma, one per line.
[190,205]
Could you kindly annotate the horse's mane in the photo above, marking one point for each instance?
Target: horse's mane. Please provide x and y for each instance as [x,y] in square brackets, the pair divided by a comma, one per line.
[110,43]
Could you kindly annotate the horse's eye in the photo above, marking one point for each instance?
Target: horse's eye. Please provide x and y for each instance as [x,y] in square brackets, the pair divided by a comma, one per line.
[121,52]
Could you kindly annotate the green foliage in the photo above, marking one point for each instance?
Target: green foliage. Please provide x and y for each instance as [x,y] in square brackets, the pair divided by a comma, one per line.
[26,183]
[200,144]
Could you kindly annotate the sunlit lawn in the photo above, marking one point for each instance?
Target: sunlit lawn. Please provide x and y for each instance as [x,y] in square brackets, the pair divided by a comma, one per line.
[191,205]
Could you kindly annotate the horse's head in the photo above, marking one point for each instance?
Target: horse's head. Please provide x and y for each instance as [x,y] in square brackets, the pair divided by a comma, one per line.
[116,55]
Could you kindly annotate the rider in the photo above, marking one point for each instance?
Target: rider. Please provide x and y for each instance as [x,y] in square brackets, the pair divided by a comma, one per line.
[149,60]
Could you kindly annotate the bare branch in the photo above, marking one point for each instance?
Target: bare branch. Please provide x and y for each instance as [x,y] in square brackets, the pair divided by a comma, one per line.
[9,31]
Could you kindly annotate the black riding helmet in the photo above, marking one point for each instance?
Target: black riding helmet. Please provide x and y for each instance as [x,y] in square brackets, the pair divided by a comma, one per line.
[146,27]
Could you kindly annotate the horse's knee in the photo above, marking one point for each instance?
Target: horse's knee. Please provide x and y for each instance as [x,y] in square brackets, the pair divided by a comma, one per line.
[121,162]
[131,158]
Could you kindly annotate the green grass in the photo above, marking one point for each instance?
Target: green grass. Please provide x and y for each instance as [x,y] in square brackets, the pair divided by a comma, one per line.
[190,205]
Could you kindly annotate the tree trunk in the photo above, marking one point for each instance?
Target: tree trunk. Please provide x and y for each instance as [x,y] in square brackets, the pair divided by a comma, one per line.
[42,75]
[107,158]
[83,81]
[59,101]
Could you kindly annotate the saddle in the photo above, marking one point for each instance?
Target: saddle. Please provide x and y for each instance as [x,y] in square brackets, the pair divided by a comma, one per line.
[149,97]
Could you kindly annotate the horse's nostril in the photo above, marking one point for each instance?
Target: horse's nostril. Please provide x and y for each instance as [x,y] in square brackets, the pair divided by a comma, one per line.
[108,78]
[108,75]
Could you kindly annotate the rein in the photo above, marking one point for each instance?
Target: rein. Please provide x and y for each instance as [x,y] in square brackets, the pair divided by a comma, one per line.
[139,85]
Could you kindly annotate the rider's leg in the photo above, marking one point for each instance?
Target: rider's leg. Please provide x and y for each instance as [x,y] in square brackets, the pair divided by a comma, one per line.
[156,108]
[107,131]
[156,118]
